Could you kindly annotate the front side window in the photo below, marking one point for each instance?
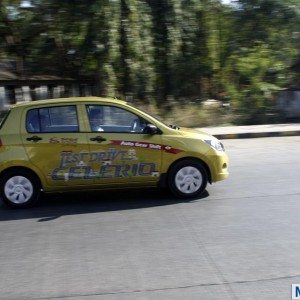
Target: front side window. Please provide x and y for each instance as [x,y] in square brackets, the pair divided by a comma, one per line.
[52,119]
[114,119]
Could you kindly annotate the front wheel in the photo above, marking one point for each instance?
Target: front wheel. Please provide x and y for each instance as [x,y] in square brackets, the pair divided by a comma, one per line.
[19,189]
[187,179]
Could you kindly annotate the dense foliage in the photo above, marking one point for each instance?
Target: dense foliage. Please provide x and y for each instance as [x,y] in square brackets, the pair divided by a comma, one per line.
[159,50]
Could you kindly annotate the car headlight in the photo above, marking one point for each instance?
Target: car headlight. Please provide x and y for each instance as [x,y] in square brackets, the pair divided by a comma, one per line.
[214,143]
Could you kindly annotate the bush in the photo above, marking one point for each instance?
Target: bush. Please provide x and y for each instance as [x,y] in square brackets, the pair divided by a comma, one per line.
[189,115]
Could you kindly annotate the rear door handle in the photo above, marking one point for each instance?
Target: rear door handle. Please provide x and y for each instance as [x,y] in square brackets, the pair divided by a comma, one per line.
[34,138]
[98,139]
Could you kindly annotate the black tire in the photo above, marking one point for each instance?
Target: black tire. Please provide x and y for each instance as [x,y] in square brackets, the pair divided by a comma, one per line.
[19,184]
[193,184]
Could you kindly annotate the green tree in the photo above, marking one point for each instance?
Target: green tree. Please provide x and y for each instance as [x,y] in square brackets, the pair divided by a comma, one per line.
[159,50]
[263,47]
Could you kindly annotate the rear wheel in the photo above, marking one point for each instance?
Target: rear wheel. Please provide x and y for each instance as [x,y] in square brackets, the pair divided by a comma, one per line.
[187,179]
[19,189]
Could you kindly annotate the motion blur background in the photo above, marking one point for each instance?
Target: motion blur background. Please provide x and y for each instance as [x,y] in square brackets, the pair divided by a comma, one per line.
[192,62]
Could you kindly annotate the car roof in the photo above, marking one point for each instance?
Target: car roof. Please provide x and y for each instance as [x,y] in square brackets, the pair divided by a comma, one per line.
[72,100]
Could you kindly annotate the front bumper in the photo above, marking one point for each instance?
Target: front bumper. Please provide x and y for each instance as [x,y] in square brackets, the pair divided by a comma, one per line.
[218,164]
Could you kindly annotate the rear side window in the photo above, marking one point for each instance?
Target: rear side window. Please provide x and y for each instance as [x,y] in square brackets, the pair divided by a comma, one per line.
[52,119]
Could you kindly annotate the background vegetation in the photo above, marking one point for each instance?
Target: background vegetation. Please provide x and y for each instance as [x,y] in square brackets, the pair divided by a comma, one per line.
[167,54]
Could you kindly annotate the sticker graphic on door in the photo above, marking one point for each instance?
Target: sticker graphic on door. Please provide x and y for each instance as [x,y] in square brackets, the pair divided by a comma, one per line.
[144,145]
[112,163]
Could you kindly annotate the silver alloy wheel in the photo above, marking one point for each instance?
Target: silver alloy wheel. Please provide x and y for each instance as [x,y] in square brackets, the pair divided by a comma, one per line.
[18,189]
[188,180]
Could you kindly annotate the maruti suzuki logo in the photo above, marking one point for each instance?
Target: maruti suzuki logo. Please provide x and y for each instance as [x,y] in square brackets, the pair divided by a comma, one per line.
[295,291]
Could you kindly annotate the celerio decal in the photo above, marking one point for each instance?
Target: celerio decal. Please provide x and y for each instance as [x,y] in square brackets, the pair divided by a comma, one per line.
[144,145]
[78,165]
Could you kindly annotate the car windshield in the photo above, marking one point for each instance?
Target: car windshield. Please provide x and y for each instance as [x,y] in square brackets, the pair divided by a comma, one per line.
[3,116]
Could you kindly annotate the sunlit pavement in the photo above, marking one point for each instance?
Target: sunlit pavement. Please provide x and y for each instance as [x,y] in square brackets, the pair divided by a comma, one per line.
[240,241]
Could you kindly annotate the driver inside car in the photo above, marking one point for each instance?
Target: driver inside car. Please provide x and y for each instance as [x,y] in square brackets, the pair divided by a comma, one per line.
[138,125]
[96,119]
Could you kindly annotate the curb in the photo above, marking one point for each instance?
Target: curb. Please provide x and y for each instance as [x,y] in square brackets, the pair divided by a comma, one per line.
[249,135]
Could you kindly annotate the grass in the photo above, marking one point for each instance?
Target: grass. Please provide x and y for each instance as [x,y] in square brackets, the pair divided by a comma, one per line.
[189,115]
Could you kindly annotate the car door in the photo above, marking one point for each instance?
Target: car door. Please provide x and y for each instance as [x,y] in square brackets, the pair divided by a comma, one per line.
[120,152]
[54,144]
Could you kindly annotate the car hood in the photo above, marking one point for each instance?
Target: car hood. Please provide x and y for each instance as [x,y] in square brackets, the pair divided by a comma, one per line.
[194,133]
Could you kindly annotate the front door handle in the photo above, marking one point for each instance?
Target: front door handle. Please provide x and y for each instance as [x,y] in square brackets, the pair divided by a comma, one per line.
[98,139]
[34,138]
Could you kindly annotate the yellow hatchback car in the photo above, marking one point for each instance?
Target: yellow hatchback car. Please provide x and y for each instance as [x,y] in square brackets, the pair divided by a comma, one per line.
[92,143]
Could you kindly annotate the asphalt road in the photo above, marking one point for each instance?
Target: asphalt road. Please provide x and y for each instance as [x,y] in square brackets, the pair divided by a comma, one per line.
[241,240]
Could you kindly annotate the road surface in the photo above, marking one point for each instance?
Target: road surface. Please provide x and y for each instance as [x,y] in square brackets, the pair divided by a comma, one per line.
[239,241]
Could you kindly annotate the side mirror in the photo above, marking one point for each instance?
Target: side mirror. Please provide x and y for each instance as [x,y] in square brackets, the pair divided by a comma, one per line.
[150,129]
